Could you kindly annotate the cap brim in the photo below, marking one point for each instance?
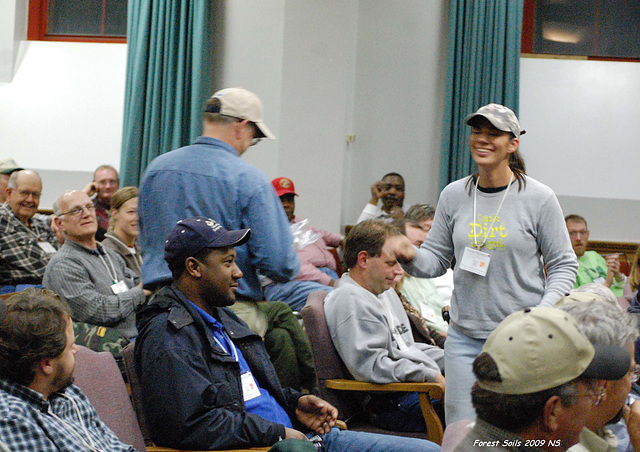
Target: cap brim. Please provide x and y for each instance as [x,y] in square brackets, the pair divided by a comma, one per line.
[608,363]
[231,238]
[264,130]
[10,170]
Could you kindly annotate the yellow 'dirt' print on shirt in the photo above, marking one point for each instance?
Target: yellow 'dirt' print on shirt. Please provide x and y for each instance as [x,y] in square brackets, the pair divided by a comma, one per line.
[486,228]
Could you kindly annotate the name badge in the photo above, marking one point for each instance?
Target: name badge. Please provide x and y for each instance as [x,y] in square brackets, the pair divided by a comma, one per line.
[250,388]
[47,247]
[475,261]
[119,287]
[428,313]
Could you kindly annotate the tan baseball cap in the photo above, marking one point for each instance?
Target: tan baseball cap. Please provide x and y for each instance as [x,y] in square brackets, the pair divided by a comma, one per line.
[541,348]
[502,118]
[242,104]
[8,166]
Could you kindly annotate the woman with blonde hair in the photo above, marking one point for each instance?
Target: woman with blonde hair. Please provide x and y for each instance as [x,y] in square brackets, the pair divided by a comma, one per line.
[122,236]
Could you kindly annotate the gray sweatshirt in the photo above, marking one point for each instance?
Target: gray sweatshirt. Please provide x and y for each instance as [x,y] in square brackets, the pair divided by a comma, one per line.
[528,234]
[361,330]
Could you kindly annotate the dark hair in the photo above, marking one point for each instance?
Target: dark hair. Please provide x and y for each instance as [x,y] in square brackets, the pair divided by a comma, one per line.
[393,174]
[516,161]
[178,267]
[512,412]
[575,218]
[33,328]
[418,213]
[368,236]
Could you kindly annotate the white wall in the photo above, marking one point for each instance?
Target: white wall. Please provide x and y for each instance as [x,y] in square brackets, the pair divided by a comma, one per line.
[581,120]
[398,107]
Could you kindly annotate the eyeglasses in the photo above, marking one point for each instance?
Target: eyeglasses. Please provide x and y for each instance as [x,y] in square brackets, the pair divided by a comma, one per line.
[634,373]
[78,210]
[596,398]
[254,140]
[26,193]
[575,233]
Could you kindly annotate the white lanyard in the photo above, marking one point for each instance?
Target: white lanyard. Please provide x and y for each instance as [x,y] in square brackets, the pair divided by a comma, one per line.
[89,446]
[486,236]
[136,257]
[114,276]
[234,352]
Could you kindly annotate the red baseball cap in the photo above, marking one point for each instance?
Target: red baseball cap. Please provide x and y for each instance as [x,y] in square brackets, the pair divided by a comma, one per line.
[283,186]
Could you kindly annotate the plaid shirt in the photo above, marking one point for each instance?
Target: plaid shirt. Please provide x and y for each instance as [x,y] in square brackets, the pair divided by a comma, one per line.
[27,422]
[22,261]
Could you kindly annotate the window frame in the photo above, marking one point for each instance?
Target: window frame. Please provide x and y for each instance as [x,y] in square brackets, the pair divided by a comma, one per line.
[37,28]
[526,49]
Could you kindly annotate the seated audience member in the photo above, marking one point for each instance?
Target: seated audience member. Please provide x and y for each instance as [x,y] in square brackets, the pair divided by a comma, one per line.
[207,382]
[633,283]
[105,183]
[317,264]
[387,197]
[26,243]
[123,228]
[370,329]
[421,293]
[7,167]
[537,383]
[591,266]
[606,325]
[40,407]
[422,215]
[93,279]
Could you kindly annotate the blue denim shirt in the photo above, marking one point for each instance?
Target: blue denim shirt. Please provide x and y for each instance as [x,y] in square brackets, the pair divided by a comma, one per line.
[209,179]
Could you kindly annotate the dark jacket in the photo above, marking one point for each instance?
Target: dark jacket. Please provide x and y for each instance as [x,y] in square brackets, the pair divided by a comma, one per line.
[191,390]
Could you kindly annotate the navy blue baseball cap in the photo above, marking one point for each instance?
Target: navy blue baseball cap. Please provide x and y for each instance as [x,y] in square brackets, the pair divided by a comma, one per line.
[192,235]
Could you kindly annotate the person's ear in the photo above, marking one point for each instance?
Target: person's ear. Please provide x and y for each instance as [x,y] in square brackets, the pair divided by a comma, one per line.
[363,259]
[58,221]
[513,145]
[192,266]
[551,414]
[45,367]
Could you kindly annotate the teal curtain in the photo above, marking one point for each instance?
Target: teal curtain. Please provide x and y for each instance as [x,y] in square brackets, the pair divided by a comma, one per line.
[483,67]
[168,79]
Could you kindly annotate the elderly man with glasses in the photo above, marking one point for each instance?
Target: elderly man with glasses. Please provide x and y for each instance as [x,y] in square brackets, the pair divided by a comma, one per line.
[93,279]
[26,243]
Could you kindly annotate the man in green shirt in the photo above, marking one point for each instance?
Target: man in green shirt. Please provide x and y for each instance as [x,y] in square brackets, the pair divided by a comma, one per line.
[592,266]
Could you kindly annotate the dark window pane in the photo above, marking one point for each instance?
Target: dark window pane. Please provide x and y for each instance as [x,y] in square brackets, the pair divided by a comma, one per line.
[619,29]
[74,17]
[565,27]
[116,18]
[595,28]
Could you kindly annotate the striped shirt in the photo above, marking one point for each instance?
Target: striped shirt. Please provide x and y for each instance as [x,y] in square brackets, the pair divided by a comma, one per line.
[83,278]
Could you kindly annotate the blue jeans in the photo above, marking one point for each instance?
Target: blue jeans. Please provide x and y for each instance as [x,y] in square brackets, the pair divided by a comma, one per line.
[398,411]
[347,440]
[18,288]
[294,293]
[459,352]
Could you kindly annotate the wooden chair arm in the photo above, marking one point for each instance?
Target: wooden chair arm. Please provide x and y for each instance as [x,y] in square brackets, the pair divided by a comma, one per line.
[426,392]
[434,390]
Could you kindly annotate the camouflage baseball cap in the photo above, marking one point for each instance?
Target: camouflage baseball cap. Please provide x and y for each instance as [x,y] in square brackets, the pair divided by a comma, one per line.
[501,117]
